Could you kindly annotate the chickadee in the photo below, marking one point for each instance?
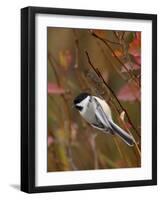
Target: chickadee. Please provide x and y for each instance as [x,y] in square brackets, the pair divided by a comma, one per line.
[98,114]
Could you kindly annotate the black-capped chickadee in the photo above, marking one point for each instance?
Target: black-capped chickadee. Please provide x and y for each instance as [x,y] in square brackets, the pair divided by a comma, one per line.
[98,114]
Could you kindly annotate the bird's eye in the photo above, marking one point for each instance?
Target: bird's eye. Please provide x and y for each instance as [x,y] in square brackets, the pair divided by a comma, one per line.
[79,107]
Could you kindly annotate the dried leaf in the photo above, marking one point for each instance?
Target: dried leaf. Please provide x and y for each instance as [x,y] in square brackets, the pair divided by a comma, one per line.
[55,89]
[122,115]
[118,53]
[100,33]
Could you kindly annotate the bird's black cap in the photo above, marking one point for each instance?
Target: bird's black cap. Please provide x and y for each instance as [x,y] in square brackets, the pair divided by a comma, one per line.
[80,97]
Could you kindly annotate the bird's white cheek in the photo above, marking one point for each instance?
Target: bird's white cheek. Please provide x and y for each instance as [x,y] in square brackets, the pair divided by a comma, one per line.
[82,112]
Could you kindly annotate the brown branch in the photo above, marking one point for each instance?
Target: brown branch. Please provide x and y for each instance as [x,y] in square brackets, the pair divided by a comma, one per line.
[117,70]
[122,37]
[109,60]
[114,54]
[136,150]
[52,61]
[112,92]
[123,123]
[82,82]
[67,111]
[94,150]
[115,33]
[111,41]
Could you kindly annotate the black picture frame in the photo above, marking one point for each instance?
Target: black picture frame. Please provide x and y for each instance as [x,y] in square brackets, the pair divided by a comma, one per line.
[28,98]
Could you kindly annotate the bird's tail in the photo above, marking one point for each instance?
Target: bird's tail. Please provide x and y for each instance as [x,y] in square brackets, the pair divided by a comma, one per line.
[122,134]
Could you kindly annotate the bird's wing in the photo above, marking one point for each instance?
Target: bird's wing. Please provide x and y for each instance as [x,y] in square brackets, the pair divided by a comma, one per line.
[101,115]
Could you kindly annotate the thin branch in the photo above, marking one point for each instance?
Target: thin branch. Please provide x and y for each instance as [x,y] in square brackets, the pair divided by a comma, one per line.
[66,109]
[115,33]
[123,123]
[78,62]
[52,61]
[124,66]
[70,157]
[93,146]
[109,60]
[118,71]
[112,42]
[116,43]
[112,92]
[123,34]
[136,151]
[119,149]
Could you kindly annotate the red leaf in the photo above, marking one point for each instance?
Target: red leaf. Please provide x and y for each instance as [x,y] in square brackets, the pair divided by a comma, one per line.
[136,43]
[134,48]
[128,93]
[134,51]
[137,59]
[55,89]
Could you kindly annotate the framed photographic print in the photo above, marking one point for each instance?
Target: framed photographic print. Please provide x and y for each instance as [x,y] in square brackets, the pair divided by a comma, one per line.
[88,99]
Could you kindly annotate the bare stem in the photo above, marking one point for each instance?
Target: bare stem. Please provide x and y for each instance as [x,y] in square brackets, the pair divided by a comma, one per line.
[111,91]
[109,60]
[122,37]
[115,33]
[93,146]
[119,149]
[66,109]
[114,54]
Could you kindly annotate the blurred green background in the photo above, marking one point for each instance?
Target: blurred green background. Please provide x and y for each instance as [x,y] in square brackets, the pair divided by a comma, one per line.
[72,143]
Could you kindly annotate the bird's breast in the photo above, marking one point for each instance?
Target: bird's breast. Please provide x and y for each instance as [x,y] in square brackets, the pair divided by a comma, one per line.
[89,113]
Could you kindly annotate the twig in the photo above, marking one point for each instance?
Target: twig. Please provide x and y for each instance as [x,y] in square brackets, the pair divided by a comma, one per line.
[118,71]
[77,45]
[52,61]
[70,156]
[119,149]
[136,145]
[115,33]
[112,42]
[93,146]
[114,54]
[83,83]
[122,122]
[107,58]
[67,111]
[119,120]
[122,37]
[112,92]
[117,43]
